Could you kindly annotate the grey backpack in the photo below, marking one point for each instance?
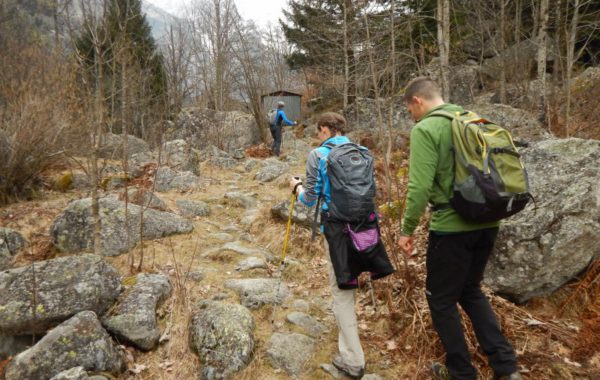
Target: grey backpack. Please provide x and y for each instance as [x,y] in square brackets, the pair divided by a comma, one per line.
[352,182]
[271,116]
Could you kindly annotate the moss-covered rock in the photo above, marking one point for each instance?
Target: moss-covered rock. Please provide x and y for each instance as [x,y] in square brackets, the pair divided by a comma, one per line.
[222,335]
[10,243]
[88,346]
[64,287]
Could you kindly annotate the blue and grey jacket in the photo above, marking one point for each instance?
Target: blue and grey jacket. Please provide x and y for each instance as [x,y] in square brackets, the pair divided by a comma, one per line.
[281,117]
[317,182]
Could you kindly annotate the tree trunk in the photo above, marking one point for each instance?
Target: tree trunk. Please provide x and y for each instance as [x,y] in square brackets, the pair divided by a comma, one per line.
[502,51]
[570,62]
[443,36]
[542,54]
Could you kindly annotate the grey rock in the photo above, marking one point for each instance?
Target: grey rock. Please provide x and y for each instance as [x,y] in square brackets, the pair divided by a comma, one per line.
[75,373]
[334,372]
[13,345]
[302,215]
[203,127]
[112,146]
[196,276]
[301,305]
[180,156]
[239,154]
[271,170]
[290,352]
[251,263]
[168,179]
[308,323]
[522,124]
[133,318]
[524,53]
[223,236]
[372,376]
[11,242]
[80,341]
[295,146]
[250,164]
[72,231]
[256,292]
[222,336]
[192,209]
[238,247]
[464,80]
[98,377]
[80,181]
[223,162]
[249,217]
[65,286]
[146,198]
[537,251]
[241,199]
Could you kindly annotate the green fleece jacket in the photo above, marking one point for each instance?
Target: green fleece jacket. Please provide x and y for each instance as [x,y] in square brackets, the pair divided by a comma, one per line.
[431,176]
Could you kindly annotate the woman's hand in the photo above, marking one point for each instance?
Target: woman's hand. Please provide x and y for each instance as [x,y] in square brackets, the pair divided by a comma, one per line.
[295,185]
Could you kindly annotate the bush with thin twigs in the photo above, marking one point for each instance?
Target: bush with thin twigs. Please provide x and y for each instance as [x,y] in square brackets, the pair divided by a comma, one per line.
[37,117]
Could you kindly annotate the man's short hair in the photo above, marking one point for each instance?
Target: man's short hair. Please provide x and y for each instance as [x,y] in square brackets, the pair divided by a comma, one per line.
[334,121]
[422,87]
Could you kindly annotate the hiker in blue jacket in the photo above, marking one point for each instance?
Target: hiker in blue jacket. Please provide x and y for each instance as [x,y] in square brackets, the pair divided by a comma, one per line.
[280,120]
[343,271]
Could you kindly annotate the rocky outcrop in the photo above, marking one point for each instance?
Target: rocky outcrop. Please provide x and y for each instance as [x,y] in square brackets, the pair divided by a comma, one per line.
[222,336]
[133,318]
[543,247]
[301,214]
[256,292]
[146,198]
[112,146]
[463,80]
[522,124]
[228,130]
[10,243]
[79,342]
[290,352]
[308,323]
[75,373]
[72,231]
[64,287]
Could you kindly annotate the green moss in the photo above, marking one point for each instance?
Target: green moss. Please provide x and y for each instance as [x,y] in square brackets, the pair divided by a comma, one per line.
[129,281]
[40,309]
[72,354]
[64,340]
[64,182]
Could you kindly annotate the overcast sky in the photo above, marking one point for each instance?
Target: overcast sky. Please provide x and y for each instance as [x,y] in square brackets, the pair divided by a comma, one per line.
[261,11]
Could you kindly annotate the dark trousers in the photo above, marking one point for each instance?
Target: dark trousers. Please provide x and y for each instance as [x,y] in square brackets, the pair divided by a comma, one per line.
[276,133]
[455,266]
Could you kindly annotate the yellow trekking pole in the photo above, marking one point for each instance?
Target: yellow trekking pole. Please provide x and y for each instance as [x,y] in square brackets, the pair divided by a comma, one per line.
[288,228]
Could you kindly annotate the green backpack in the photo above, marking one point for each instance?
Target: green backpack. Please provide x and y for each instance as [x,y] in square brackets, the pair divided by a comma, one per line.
[490,181]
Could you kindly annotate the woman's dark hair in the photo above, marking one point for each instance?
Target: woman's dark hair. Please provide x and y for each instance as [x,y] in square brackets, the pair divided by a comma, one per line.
[334,121]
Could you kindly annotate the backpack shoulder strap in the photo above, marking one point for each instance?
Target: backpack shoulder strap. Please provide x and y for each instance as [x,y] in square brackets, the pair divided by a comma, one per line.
[442,113]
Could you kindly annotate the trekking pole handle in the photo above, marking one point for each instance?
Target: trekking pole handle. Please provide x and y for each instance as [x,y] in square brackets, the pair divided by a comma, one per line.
[296,186]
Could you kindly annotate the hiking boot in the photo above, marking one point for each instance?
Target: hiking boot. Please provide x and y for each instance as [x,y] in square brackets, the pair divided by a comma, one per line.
[512,376]
[440,372]
[352,371]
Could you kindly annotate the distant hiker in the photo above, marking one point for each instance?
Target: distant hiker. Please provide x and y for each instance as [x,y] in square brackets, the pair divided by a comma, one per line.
[458,249]
[276,125]
[340,174]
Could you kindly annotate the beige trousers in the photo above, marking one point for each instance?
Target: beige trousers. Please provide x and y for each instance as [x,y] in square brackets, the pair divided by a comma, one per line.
[345,316]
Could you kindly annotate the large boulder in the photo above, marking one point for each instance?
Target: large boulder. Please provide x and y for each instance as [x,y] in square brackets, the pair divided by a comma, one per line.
[256,292]
[463,80]
[180,156]
[10,243]
[79,342]
[301,214]
[222,335]
[167,179]
[290,352]
[133,318]
[522,124]
[203,127]
[543,247]
[585,92]
[112,146]
[73,230]
[63,287]
[192,209]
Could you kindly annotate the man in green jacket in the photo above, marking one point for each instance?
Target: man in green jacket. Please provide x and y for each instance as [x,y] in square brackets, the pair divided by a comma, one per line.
[458,249]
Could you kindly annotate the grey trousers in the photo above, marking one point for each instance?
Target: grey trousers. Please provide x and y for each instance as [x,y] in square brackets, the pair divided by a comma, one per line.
[345,316]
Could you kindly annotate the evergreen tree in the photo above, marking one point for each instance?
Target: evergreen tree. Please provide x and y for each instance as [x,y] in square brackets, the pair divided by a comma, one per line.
[135,79]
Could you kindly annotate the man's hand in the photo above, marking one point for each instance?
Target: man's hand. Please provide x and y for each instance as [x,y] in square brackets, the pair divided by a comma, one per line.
[295,123]
[293,182]
[406,244]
